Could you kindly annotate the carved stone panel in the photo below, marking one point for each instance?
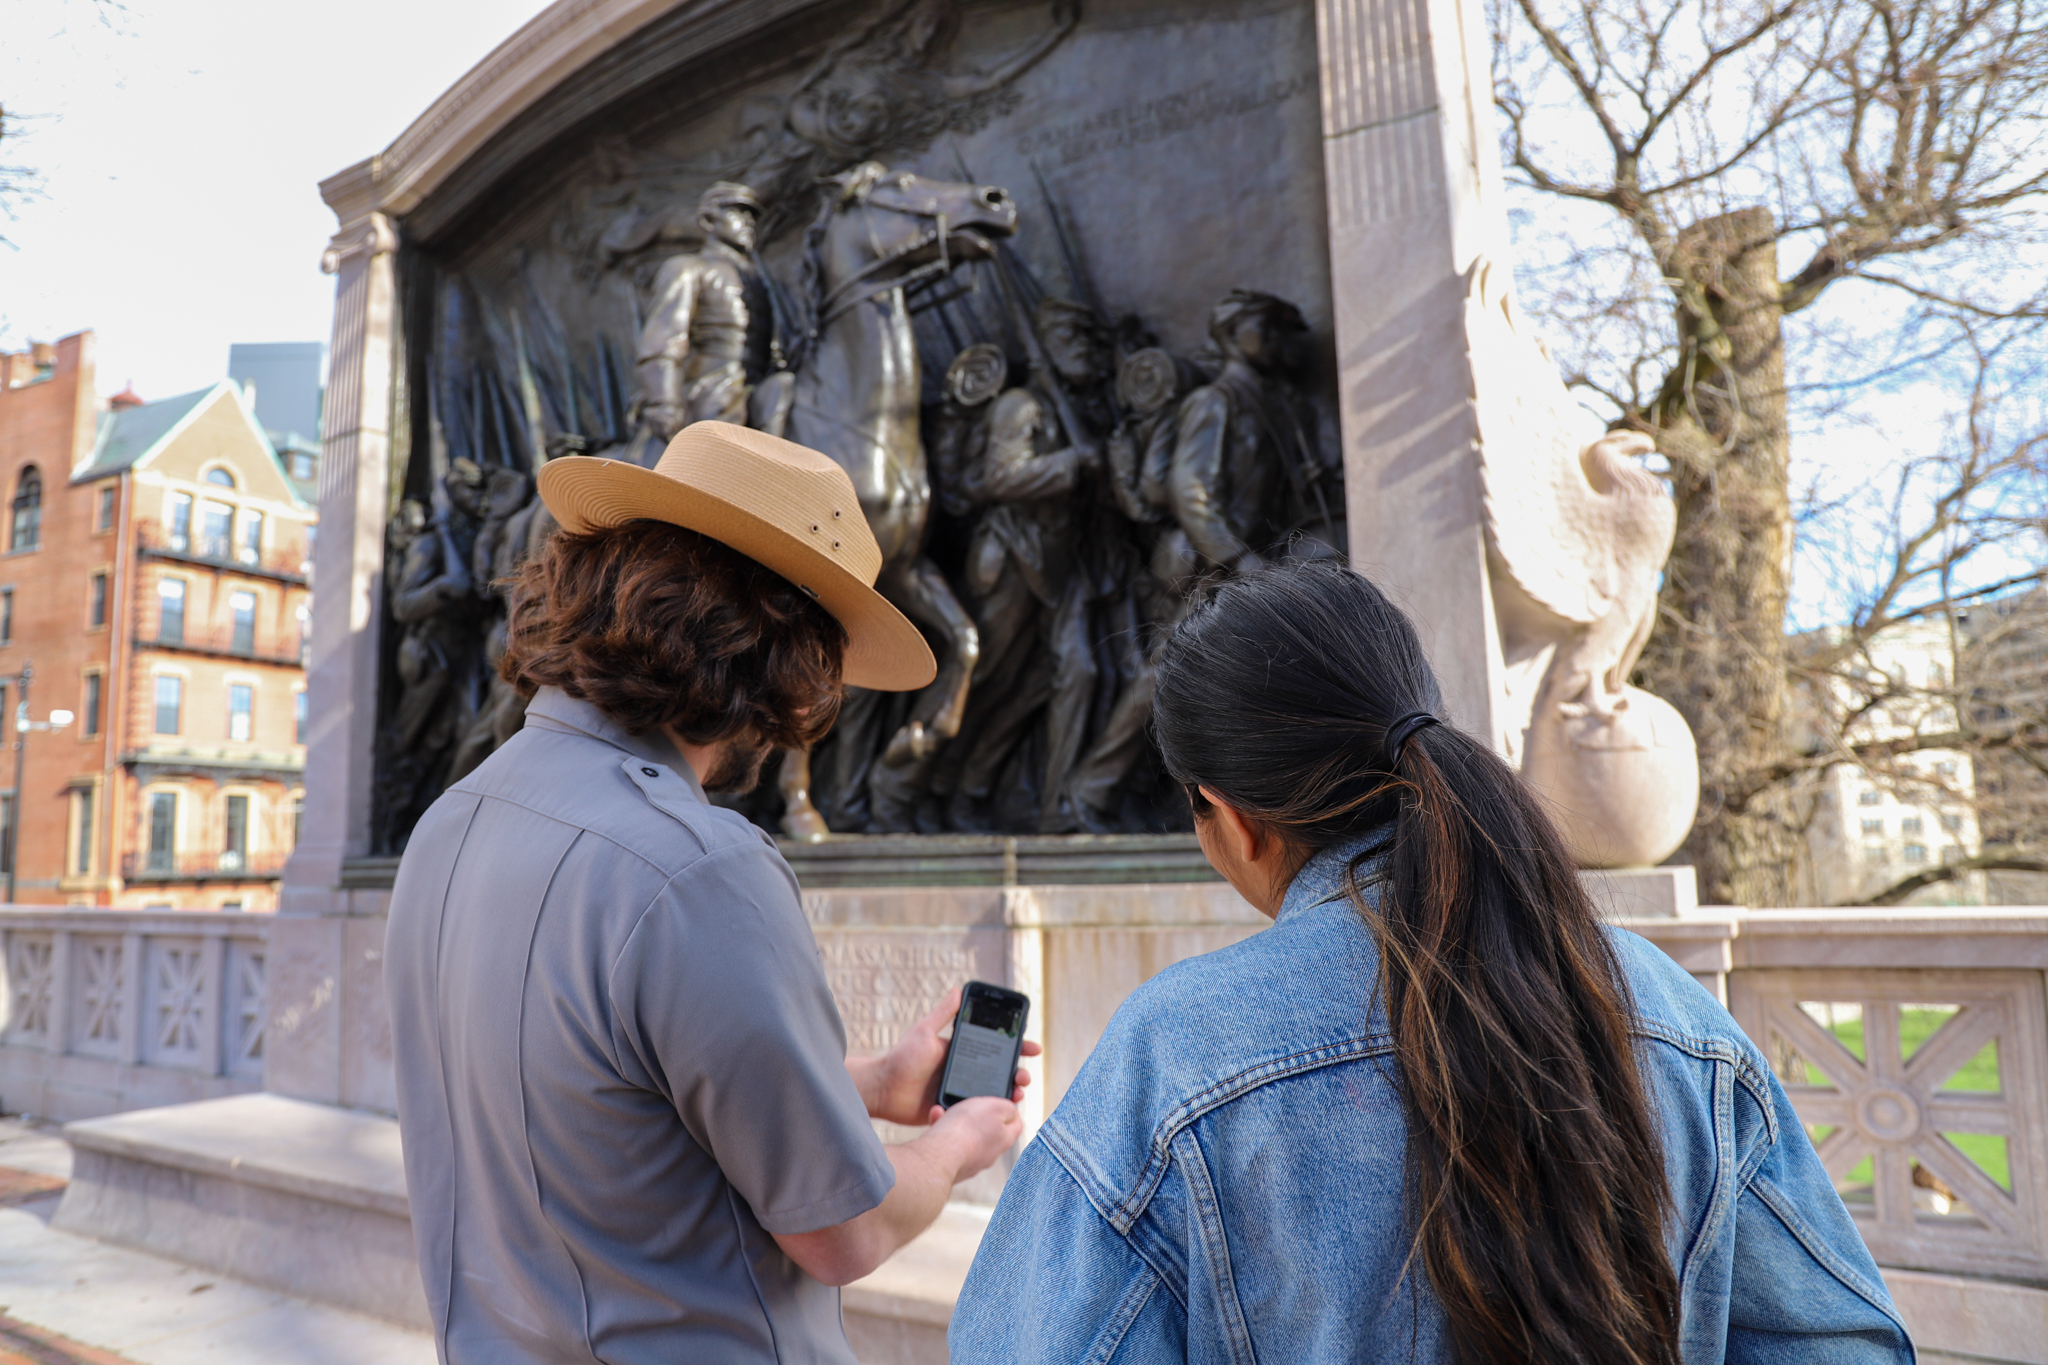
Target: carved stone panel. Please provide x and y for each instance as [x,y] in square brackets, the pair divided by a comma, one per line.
[178,1003]
[1926,1095]
[99,995]
[246,1002]
[31,987]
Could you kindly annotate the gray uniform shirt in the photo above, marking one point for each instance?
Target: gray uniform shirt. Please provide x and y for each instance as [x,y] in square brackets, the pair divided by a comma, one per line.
[619,1066]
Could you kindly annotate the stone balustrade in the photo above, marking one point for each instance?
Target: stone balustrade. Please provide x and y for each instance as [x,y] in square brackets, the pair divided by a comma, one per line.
[1913,1043]
[111,1010]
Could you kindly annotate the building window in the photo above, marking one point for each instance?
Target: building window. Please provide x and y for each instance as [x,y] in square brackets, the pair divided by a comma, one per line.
[170,619]
[103,514]
[181,522]
[241,704]
[1910,825]
[252,538]
[1873,826]
[302,465]
[216,527]
[305,634]
[1946,771]
[298,816]
[243,607]
[220,477]
[1870,797]
[1950,854]
[1916,853]
[6,616]
[299,716]
[81,860]
[1951,823]
[28,511]
[7,833]
[163,831]
[96,609]
[91,705]
[234,854]
[170,700]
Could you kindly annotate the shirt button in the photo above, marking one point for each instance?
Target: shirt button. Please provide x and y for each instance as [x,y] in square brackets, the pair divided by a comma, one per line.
[650,772]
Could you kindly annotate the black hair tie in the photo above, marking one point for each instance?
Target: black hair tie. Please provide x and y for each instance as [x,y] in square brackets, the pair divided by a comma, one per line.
[1400,730]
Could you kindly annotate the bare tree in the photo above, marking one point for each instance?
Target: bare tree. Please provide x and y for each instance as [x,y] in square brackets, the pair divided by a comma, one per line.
[1894,145]
[1952,551]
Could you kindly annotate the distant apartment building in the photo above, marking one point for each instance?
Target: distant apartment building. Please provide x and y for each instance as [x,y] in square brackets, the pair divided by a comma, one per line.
[2004,671]
[1874,826]
[153,584]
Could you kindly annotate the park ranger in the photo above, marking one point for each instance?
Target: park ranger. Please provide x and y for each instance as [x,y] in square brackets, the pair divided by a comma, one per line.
[632,1133]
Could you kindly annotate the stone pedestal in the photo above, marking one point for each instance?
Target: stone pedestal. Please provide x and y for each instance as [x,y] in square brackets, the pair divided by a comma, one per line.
[1415,201]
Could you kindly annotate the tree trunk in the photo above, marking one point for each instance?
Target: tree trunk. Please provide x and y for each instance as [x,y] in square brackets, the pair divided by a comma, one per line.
[1718,652]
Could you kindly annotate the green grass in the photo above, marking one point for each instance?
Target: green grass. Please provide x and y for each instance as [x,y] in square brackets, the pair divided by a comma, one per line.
[1918,1023]
[1988,1151]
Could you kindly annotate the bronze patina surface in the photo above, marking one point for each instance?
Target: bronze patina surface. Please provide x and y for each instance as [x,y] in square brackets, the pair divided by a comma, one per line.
[1050,282]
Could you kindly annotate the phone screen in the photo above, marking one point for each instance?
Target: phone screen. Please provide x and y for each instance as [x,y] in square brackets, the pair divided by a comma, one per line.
[987,1036]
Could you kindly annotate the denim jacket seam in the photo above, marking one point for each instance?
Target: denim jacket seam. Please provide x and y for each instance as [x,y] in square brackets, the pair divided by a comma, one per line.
[1130,1207]
[1209,1220]
[1787,1213]
[1067,1153]
[1110,1339]
[1721,1204]
[1739,1059]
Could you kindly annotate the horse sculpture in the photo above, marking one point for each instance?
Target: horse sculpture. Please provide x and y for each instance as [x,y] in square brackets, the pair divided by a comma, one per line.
[856,399]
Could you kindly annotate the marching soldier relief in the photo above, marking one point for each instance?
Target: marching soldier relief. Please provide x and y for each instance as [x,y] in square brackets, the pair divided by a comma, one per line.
[1059,425]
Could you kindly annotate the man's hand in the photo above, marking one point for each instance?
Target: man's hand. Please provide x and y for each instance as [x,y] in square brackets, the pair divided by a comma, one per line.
[902,1085]
[975,1132]
[964,1140]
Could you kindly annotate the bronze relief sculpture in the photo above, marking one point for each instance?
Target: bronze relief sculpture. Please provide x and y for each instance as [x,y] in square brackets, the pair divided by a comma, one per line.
[1047,480]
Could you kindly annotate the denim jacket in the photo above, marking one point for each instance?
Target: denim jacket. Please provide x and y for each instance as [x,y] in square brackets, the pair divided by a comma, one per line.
[1223,1181]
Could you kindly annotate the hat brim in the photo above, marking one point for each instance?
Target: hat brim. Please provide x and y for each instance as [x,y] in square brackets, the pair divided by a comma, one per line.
[884,651]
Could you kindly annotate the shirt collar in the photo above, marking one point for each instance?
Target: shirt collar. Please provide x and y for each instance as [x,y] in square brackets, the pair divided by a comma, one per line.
[557,710]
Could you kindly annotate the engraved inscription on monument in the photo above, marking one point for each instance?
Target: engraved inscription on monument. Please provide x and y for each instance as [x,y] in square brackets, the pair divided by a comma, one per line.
[884,982]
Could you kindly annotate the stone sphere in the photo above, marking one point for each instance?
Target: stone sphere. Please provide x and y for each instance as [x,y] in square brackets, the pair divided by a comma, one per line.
[1622,788]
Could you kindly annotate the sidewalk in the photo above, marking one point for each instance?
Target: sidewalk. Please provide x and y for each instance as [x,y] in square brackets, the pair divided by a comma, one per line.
[60,1293]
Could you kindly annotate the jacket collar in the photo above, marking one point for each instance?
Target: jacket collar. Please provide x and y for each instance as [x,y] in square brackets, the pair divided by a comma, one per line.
[1321,879]
[557,710]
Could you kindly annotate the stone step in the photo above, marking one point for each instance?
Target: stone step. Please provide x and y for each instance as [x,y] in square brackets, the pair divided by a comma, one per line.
[310,1200]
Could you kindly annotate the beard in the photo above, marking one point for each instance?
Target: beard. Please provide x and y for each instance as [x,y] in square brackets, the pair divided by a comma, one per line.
[738,767]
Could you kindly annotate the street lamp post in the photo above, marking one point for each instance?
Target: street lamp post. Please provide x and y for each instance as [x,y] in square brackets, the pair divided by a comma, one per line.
[22,725]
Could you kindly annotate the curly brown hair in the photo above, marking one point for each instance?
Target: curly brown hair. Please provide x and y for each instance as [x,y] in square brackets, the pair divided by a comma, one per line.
[657,625]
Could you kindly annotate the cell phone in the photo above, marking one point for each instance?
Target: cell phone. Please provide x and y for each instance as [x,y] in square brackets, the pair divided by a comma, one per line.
[988,1038]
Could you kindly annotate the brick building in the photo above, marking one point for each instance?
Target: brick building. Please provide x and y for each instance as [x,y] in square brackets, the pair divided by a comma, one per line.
[153,561]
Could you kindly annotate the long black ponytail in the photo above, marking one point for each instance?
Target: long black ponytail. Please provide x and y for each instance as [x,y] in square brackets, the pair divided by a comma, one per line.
[1534,1170]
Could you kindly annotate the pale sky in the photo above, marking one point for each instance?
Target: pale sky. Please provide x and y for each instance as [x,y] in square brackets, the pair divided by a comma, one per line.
[181,144]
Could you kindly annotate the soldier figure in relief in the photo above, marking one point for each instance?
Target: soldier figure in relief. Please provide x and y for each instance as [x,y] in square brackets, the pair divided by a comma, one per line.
[1029,568]
[1239,445]
[707,351]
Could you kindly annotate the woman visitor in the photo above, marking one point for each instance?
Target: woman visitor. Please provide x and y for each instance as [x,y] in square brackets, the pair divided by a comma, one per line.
[1437,1112]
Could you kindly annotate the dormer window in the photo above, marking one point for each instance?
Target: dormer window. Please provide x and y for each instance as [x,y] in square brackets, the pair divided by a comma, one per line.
[223,477]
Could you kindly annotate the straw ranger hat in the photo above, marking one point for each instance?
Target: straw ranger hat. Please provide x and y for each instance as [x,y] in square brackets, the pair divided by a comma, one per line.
[780,504]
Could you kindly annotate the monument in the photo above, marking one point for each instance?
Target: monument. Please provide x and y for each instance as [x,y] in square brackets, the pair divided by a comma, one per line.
[1095,303]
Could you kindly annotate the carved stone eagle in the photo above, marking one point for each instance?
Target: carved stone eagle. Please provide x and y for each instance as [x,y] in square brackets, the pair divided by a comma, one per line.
[1577,534]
